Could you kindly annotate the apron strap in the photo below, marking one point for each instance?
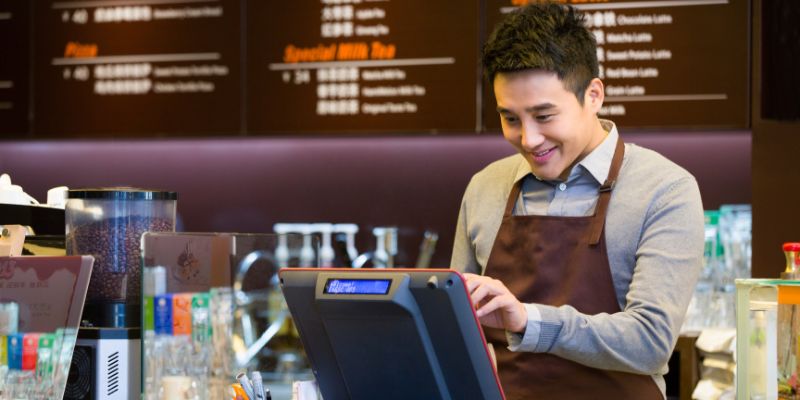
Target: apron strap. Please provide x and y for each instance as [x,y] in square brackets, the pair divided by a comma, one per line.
[512,198]
[605,194]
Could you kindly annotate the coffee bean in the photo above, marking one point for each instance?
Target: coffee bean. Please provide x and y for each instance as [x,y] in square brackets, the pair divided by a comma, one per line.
[115,245]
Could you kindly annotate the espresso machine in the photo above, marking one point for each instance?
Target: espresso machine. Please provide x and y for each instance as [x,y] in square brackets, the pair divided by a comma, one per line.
[44,223]
[108,223]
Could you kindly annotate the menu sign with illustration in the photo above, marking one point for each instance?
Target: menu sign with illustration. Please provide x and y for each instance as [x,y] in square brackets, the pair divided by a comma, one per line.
[665,64]
[352,65]
[48,292]
[160,67]
[14,76]
[191,262]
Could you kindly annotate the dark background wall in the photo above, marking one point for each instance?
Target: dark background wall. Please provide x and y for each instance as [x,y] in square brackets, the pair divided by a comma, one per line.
[415,183]
[776,133]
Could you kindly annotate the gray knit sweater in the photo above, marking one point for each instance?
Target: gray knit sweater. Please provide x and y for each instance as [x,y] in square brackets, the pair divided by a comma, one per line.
[654,235]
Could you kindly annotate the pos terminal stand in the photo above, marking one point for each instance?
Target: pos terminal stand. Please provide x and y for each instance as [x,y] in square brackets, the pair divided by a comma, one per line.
[390,334]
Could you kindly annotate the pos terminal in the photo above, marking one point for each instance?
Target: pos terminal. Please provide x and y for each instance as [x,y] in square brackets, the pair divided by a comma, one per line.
[390,334]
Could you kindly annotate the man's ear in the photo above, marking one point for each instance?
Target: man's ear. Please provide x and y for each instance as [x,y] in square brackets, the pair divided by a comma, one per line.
[594,95]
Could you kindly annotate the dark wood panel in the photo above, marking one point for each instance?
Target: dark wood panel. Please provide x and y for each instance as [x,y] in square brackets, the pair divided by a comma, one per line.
[775,170]
[14,73]
[673,64]
[780,57]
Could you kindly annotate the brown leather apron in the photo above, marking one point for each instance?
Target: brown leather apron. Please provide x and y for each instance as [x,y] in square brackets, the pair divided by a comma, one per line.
[559,260]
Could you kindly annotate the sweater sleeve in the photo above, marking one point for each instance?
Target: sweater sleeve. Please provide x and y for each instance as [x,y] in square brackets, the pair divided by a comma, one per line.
[463,257]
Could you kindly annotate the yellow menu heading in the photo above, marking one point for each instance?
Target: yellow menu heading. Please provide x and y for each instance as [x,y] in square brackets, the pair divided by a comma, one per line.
[343,51]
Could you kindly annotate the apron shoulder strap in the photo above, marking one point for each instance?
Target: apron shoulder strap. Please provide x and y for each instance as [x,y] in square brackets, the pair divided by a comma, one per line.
[601,210]
[512,198]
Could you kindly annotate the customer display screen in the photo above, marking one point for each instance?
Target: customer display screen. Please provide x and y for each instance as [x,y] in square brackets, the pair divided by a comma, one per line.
[346,317]
[357,286]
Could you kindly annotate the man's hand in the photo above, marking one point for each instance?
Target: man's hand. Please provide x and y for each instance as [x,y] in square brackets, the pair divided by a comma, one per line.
[495,306]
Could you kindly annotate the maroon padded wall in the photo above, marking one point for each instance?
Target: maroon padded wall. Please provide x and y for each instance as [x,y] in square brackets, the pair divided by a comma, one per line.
[415,183]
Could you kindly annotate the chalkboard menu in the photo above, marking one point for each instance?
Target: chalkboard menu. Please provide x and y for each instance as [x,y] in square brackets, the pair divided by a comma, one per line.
[14,76]
[665,64]
[149,68]
[352,65]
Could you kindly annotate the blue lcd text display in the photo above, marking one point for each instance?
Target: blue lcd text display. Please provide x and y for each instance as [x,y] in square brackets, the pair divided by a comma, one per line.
[357,286]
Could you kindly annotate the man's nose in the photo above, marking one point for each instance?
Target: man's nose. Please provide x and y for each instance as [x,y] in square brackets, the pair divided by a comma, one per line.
[531,136]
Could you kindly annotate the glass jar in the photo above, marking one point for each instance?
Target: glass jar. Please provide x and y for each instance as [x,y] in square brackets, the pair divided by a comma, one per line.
[108,223]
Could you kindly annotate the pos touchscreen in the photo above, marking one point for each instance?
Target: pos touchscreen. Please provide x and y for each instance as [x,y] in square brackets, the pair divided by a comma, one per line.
[390,334]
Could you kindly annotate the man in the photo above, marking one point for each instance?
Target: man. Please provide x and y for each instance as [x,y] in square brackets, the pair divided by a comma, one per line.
[581,253]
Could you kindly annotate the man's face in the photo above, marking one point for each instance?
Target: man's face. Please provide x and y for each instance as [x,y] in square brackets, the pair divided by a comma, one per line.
[546,123]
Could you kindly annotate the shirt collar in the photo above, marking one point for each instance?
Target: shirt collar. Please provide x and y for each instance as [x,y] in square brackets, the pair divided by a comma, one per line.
[597,163]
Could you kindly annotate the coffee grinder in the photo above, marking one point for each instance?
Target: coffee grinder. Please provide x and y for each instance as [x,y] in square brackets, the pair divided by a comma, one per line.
[108,223]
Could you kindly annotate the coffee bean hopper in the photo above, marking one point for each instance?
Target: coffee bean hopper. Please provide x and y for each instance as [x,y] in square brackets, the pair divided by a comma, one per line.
[108,224]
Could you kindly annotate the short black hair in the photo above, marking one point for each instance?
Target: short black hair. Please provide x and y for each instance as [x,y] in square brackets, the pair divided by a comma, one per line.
[547,36]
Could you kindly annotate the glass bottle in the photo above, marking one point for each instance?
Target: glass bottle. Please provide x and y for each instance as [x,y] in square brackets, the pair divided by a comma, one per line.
[789,329]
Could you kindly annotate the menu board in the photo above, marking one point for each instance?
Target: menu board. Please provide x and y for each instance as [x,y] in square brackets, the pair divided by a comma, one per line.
[108,67]
[14,77]
[353,65]
[665,64]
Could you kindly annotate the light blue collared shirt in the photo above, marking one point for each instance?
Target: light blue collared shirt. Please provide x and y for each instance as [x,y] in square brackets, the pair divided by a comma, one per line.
[577,195]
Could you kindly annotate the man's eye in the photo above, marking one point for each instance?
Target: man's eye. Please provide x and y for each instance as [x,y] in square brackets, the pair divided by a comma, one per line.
[510,119]
[544,118]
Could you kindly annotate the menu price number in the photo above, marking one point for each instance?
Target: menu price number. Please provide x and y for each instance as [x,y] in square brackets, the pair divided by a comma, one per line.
[80,73]
[79,16]
[299,76]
